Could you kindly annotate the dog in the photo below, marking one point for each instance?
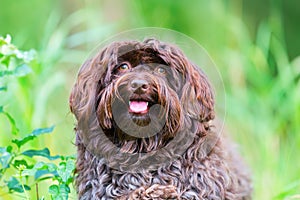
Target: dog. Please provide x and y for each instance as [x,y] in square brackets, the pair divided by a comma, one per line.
[144,131]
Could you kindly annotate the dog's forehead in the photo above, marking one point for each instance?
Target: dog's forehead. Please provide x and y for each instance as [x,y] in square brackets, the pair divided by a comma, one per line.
[144,52]
[139,56]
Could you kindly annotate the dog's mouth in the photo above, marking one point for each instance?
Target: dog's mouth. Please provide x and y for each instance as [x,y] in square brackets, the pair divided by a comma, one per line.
[139,106]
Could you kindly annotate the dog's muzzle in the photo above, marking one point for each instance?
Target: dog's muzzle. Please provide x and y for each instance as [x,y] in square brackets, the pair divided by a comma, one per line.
[138,102]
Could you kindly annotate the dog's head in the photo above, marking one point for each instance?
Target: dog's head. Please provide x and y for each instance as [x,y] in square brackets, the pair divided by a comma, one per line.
[141,94]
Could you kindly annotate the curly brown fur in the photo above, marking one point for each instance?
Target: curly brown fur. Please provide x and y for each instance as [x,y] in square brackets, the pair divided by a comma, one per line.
[209,168]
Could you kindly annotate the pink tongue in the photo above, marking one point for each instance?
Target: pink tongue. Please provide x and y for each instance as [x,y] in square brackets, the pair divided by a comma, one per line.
[138,106]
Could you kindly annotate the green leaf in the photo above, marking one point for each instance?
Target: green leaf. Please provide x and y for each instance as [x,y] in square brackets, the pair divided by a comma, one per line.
[5,157]
[17,163]
[64,191]
[19,71]
[59,192]
[43,165]
[41,169]
[69,157]
[40,131]
[23,141]
[9,149]
[22,70]
[3,88]
[41,173]
[32,136]
[14,185]
[54,190]
[14,128]
[65,170]
[5,60]
[6,73]
[43,152]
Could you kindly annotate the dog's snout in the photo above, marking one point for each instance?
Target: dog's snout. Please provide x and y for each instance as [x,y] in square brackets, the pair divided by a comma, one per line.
[139,85]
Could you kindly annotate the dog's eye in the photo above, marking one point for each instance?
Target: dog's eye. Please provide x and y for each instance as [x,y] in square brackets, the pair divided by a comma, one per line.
[161,70]
[123,67]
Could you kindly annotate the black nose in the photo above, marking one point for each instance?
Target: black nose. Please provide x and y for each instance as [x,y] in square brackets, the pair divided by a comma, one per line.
[139,85]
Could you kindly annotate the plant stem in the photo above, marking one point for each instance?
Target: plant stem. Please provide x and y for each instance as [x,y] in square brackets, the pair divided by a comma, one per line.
[37,191]
[20,176]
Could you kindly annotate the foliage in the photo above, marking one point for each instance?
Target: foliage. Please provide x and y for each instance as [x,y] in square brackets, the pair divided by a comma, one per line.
[20,165]
[266,96]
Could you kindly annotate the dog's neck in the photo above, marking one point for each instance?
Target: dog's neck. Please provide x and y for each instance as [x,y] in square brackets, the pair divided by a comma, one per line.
[130,144]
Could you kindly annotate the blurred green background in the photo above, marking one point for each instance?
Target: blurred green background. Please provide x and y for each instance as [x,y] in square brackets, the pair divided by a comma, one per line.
[255,45]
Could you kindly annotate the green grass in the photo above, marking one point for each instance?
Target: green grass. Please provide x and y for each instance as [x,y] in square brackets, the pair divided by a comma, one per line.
[261,80]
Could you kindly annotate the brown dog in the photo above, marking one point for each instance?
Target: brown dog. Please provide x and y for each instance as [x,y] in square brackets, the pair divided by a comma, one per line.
[143,132]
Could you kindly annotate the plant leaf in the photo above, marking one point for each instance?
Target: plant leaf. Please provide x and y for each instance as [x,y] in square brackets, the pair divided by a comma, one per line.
[3,88]
[17,163]
[14,185]
[64,191]
[65,170]
[42,165]
[43,152]
[5,157]
[22,70]
[14,128]
[6,73]
[40,131]
[41,169]
[32,135]
[9,149]
[59,192]
[5,60]
[41,173]
[54,190]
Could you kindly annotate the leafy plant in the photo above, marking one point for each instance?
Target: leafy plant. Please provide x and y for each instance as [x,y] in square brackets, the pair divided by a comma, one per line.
[21,166]
[13,62]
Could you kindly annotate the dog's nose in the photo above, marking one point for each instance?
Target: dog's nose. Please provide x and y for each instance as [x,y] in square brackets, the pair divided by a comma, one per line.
[139,85]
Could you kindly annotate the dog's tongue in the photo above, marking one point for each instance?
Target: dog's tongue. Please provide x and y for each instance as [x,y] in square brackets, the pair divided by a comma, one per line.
[138,106]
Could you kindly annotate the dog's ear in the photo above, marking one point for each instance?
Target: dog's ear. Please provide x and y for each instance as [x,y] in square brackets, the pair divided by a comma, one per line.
[81,94]
[197,95]
[87,90]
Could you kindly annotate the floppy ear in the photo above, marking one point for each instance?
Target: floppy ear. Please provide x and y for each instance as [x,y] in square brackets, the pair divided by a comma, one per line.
[90,82]
[82,91]
[197,95]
